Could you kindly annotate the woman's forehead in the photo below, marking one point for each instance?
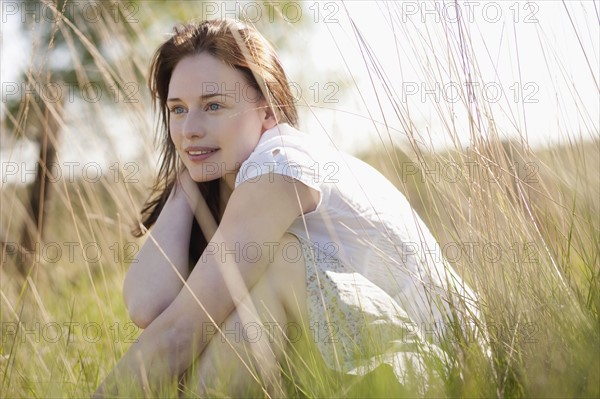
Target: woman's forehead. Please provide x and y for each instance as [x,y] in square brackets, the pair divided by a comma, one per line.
[204,74]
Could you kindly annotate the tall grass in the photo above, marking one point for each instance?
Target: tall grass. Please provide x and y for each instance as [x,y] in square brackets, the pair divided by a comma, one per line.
[520,225]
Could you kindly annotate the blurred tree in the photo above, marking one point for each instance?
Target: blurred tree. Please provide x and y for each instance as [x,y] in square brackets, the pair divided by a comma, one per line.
[67,58]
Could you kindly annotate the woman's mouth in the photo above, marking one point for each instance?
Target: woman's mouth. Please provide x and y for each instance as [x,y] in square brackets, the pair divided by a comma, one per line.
[196,154]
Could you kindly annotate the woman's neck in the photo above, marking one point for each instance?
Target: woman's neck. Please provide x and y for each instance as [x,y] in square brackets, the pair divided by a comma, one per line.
[225,190]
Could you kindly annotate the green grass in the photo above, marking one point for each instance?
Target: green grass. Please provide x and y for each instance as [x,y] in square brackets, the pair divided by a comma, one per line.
[64,325]
[540,303]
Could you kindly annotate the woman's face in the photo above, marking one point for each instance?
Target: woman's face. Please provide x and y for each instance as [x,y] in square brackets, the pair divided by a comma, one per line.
[216,117]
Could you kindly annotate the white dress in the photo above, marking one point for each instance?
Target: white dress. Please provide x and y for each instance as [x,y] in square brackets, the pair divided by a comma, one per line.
[377,287]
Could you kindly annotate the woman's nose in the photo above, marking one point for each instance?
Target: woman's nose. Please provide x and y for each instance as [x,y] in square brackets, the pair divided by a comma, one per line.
[193,126]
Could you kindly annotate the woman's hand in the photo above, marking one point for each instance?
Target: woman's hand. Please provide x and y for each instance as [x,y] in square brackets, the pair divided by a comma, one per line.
[188,187]
[157,274]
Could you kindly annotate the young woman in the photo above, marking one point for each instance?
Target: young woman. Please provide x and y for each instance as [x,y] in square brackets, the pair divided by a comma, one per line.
[265,240]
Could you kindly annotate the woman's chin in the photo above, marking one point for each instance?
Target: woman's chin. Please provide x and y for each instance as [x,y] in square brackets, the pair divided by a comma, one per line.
[200,177]
[202,173]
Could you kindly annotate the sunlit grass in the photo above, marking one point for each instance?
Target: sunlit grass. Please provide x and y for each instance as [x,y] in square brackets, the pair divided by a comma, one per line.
[520,225]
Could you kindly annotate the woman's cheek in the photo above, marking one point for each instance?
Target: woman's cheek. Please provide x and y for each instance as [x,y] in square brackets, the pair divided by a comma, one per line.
[174,133]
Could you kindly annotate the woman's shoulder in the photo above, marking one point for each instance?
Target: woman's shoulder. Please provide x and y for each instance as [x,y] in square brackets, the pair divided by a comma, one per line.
[284,135]
[286,150]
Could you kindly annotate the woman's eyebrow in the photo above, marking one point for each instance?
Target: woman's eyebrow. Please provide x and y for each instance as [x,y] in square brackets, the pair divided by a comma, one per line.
[204,97]
[208,96]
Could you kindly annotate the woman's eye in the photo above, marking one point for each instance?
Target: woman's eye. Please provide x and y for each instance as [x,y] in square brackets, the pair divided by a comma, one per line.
[177,110]
[213,107]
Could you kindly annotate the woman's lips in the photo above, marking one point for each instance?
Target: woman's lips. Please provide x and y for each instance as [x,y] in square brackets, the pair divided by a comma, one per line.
[197,154]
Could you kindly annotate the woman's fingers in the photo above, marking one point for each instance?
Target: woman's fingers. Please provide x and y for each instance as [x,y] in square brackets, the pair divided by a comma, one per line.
[197,203]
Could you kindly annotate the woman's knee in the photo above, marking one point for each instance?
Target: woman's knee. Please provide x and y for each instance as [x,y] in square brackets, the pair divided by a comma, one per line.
[243,345]
[287,276]
[244,349]
[288,254]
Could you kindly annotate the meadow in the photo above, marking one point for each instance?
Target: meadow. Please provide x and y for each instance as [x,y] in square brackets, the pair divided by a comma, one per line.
[521,225]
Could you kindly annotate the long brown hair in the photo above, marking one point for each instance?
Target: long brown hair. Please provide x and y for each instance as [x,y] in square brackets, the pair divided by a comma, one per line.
[235,44]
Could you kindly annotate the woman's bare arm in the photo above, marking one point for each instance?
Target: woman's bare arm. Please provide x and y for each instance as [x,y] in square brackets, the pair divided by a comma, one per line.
[258,214]
[152,282]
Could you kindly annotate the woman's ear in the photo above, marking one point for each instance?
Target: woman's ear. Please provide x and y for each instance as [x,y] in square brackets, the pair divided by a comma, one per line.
[269,120]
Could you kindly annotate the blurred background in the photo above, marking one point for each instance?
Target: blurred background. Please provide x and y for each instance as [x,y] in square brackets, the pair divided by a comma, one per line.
[485,114]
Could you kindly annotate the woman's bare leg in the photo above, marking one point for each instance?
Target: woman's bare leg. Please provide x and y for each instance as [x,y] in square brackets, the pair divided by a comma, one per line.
[243,357]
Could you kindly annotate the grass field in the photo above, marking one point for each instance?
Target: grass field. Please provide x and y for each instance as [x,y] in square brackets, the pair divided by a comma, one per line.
[65,325]
[522,226]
